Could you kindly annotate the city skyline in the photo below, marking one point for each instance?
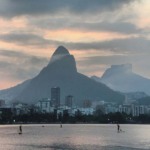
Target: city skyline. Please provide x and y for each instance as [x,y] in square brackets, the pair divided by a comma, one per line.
[98,34]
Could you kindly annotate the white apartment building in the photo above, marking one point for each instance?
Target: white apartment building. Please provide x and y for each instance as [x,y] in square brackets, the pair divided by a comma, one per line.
[44,106]
[125,109]
[138,110]
[135,110]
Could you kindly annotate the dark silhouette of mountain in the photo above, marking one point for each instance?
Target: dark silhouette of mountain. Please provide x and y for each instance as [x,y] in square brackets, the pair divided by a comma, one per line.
[122,78]
[61,71]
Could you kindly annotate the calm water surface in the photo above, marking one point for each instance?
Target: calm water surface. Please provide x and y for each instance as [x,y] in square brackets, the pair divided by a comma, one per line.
[75,137]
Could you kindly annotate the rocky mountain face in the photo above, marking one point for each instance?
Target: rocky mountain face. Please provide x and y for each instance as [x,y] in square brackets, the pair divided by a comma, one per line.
[122,78]
[61,72]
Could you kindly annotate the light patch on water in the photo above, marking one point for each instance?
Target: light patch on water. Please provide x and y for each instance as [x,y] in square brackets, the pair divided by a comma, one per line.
[75,137]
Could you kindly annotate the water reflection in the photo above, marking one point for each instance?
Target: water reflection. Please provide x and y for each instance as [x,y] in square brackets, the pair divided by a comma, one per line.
[58,146]
[75,137]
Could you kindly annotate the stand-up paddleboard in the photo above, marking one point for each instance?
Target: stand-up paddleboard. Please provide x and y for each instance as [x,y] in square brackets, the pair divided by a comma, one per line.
[20,133]
[121,130]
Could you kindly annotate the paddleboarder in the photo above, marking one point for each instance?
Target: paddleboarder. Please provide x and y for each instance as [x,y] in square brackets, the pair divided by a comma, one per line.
[20,129]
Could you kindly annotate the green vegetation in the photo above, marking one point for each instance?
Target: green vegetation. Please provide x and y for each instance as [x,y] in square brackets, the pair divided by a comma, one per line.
[98,117]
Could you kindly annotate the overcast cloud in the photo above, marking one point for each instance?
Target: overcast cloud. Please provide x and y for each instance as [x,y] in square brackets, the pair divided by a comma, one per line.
[32,29]
[12,8]
[20,66]
[132,45]
[118,26]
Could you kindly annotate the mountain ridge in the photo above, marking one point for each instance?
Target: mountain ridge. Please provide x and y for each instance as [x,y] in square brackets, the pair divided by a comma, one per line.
[61,71]
[123,79]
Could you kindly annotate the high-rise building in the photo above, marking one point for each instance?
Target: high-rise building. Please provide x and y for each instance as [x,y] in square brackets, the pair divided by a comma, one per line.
[55,96]
[69,101]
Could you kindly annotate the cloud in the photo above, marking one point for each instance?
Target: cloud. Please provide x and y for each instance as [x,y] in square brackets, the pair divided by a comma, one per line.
[132,44]
[11,53]
[24,39]
[12,8]
[118,26]
[98,64]
[20,66]
[103,60]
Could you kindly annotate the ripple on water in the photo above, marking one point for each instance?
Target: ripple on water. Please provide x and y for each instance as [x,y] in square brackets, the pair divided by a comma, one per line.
[75,137]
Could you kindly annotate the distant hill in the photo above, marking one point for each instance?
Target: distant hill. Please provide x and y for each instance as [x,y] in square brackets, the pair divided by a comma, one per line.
[61,71]
[144,101]
[121,78]
[135,95]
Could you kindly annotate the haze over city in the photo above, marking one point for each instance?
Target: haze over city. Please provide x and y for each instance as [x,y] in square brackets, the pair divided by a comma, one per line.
[98,33]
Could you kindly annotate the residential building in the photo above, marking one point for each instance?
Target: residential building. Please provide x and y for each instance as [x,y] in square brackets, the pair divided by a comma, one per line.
[125,109]
[44,106]
[69,101]
[55,96]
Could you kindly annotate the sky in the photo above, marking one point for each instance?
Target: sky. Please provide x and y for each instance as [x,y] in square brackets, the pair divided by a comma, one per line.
[99,33]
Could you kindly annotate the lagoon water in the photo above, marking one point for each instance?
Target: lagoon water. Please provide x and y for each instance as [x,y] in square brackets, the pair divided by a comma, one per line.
[75,137]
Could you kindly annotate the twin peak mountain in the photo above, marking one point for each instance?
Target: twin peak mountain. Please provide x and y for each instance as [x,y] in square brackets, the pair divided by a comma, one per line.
[61,72]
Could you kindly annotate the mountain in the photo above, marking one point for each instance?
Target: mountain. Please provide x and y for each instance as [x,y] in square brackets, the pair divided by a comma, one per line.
[61,71]
[144,101]
[122,78]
